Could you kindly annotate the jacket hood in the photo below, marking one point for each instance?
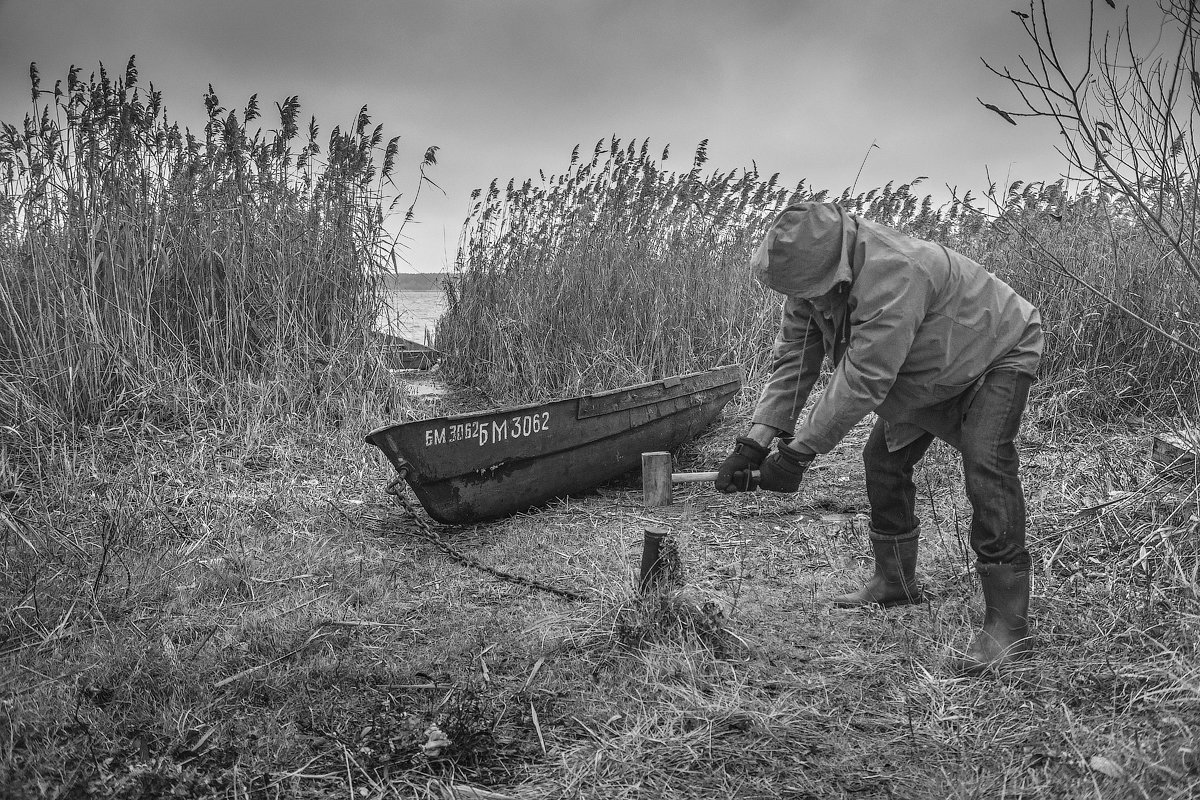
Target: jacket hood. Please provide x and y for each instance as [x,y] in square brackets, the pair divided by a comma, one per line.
[806,251]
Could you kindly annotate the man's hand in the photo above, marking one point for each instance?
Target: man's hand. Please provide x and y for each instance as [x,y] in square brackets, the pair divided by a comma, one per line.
[782,470]
[734,474]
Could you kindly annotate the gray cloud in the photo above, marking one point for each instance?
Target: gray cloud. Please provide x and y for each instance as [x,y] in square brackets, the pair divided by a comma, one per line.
[798,86]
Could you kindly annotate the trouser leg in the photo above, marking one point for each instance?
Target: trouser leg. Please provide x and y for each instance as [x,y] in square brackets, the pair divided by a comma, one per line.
[894,524]
[890,485]
[990,467]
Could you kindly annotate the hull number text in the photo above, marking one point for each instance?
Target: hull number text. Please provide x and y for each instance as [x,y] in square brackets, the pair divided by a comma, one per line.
[486,431]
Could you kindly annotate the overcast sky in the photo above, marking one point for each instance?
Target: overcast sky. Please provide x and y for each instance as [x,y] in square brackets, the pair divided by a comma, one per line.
[508,87]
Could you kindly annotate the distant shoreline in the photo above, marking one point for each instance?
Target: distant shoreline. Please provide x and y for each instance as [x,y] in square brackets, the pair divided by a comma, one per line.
[414,281]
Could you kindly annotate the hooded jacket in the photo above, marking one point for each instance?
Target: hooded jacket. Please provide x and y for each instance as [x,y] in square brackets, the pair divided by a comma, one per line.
[911,327]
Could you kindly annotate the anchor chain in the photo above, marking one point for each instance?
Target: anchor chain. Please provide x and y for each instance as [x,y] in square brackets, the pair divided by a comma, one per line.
[396,489]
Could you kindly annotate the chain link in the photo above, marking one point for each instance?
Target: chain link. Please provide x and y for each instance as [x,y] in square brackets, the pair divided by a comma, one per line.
[396,489]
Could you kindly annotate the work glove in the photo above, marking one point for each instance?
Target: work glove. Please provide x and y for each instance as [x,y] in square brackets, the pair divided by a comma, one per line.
[782,470]
[734,474]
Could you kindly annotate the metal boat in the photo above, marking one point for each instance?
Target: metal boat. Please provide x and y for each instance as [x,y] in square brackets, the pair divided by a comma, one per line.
[401,353]
[473,467]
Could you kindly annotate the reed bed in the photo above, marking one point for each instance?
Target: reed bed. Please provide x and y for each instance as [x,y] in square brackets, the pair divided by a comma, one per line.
[145,266]
[616,271]
[619,270]
[1101,362]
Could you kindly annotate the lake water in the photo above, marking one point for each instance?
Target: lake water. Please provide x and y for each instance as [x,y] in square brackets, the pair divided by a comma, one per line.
[413,315]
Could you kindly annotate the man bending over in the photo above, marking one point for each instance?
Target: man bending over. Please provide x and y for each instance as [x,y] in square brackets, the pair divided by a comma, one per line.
[936,346]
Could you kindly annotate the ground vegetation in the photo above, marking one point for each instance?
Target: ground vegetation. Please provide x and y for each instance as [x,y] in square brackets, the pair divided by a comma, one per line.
[206,593]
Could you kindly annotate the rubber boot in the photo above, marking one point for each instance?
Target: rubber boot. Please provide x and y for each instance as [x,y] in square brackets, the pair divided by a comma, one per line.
[1005,635]
[895,580]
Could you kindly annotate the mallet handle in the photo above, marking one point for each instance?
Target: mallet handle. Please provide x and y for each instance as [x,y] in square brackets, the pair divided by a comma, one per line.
[657,478]
[699,477]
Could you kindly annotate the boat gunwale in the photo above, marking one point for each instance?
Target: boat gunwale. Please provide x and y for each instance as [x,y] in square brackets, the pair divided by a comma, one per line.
[572,399]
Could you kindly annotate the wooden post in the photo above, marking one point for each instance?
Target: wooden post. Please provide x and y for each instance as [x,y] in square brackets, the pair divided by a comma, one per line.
[651,565]
[656,479]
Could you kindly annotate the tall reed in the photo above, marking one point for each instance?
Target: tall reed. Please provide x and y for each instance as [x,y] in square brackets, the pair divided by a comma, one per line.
[142,265]
[618,271]
[613,272]
[1100,359]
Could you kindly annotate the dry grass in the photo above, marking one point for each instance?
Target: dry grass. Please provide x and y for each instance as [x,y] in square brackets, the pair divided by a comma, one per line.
[234,613]
[619,271]
[145,266]
[206,593]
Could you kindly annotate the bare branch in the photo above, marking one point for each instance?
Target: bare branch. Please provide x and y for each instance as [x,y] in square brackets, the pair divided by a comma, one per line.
[1126,121]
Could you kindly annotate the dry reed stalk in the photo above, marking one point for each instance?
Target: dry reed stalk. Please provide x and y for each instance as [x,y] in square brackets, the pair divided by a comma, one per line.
[141,260]
[618,271]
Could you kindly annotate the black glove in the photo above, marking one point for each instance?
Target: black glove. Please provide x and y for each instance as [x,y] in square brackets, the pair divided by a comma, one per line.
[734,474]
[783,469]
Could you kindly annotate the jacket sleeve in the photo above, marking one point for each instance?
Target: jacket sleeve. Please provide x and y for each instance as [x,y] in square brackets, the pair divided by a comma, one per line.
[797,356]
[889,300]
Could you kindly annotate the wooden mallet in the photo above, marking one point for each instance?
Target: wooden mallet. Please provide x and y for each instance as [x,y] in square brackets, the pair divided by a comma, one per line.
[657,479]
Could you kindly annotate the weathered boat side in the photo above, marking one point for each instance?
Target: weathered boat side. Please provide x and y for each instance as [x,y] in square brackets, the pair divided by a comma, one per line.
[410,359]
[473,467]
[401,353]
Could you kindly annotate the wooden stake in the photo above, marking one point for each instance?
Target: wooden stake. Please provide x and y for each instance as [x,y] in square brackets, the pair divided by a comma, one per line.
[651,566]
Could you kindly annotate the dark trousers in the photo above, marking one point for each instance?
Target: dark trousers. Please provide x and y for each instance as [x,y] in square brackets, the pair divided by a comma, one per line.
[983,429]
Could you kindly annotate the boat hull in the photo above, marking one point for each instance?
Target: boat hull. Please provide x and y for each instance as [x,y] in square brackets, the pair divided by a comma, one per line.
[401,353]
[474,467]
